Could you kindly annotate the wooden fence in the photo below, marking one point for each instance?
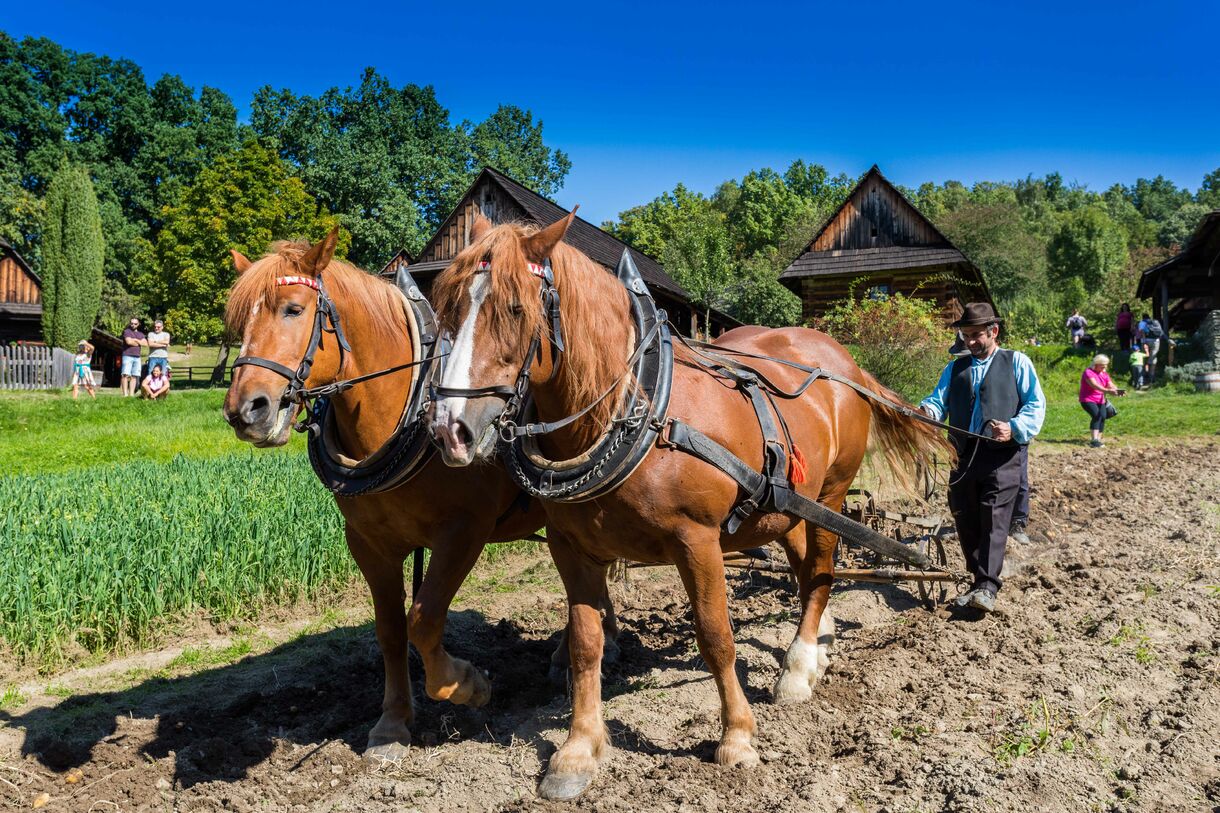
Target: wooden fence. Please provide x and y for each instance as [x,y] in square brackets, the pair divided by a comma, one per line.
[31,367]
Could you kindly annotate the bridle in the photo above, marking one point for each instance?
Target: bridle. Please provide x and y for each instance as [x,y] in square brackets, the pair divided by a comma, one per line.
[515,395]
[326,320]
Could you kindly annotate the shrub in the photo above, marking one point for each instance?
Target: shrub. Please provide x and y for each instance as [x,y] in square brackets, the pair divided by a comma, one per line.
[1187,372]
[900,340]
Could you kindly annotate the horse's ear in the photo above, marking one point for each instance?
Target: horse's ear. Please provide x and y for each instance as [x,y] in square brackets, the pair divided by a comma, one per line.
[539,245]
[479,228]
[320,254]
[240,263]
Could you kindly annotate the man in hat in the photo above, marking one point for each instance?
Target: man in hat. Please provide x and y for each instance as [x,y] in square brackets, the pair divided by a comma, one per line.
[1020,513]
[992,392]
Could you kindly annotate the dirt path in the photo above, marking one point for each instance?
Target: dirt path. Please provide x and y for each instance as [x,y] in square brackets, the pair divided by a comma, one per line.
[1096,688]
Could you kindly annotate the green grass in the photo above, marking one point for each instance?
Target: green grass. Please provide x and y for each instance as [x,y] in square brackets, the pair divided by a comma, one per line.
[102,557]
[48,431]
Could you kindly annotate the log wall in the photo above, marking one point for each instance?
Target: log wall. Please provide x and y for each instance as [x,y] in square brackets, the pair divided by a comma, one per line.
[819,293]
[16,286]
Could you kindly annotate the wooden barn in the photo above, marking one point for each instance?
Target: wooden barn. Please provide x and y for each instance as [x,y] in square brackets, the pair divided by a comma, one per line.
[877,242]
[20,298]
[503,200]
[1185,289]
[402,259]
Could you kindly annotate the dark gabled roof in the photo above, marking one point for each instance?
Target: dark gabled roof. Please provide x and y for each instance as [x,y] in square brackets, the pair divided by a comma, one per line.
[7,248]
[401,253]
[597,245]
[867,260]
[937,251]
[1198,260]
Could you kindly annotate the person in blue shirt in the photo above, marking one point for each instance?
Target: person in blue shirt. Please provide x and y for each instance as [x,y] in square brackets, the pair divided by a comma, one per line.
[993,392]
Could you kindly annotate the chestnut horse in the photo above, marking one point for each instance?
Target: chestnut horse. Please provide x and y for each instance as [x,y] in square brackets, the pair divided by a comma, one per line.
[453,512]
[671,509]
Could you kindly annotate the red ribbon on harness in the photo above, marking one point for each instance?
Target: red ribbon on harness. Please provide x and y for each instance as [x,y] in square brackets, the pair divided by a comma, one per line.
[796,466]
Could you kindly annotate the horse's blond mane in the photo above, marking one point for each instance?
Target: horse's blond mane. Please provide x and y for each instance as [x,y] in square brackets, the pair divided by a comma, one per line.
[596,344]
[352,289]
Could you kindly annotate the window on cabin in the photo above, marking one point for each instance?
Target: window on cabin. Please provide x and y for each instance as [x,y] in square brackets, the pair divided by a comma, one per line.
[881,291]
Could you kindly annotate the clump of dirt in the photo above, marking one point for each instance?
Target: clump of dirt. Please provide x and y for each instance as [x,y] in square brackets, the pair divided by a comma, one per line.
[1094,687]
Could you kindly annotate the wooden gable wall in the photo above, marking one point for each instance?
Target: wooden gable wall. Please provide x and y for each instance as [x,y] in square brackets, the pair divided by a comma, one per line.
[17,287]
[876,216]
[454,235]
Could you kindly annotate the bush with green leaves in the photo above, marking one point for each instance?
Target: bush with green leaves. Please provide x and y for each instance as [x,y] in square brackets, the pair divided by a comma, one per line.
[73,251]
[1187,372]
[900,340]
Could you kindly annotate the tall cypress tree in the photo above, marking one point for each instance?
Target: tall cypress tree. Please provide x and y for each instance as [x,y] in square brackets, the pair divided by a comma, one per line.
[73,252]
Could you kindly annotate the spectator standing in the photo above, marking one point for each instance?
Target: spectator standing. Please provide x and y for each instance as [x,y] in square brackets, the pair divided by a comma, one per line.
[1123,326]
[158,343]
[1095,384]
[1153,333]
[133,340]
[1076,325]
[82,371]
[1138,357]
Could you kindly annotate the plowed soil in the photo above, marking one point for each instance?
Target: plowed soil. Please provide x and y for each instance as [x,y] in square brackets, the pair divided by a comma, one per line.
[1096,686]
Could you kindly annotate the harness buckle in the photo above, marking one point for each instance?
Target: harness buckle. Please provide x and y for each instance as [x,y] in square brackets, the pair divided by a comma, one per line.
[663,429]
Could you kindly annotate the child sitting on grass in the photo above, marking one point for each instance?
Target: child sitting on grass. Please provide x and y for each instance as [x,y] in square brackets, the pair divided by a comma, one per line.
[156,383]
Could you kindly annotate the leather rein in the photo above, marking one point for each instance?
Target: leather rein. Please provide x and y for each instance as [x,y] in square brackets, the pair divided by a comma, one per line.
[326,320]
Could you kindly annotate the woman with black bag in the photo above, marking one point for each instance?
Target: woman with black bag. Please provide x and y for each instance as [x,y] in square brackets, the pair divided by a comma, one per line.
[1095,383]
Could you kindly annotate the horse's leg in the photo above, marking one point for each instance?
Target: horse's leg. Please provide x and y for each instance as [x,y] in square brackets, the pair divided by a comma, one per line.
[808,656]
[447,677]
[389,738]
[574,765]
[560,660]
[701,565]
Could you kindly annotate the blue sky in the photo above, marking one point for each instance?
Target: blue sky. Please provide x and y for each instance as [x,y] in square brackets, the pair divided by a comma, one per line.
[645,95]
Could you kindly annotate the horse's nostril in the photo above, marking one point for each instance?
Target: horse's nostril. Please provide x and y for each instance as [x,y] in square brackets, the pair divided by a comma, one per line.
[462,433]
[256,409]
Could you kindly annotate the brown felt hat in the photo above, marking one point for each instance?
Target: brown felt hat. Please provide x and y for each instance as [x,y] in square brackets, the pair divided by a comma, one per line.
[976,314]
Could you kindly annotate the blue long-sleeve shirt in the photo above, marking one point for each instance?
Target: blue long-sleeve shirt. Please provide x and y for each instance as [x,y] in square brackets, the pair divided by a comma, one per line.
[1025,425]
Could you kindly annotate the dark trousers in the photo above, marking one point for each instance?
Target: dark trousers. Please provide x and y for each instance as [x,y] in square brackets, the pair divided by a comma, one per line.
[1020,514]
[982,500]
[1097,415]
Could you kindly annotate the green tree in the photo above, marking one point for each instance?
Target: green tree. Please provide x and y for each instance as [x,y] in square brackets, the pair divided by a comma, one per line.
[245,200]
[698,255]
[1087,246]
[1209,190]
[996,239]
[510,141]
[73,251]
[1179,226]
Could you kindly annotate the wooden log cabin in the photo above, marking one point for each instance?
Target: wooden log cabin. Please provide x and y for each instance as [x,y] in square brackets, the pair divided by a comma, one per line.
[503,200]
[20,298]
[877,242]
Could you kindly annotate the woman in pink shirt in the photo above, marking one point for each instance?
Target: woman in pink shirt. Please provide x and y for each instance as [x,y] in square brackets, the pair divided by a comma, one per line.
[1094,384]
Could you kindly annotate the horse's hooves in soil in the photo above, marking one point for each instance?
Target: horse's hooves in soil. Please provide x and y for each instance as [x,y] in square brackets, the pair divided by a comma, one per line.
[792,689]
[741,753]
[560,787]
[393,751]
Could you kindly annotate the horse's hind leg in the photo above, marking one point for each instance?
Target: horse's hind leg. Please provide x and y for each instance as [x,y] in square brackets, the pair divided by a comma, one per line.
[390,737]
[809,654]
[701,566]
[575,764]
[447,677]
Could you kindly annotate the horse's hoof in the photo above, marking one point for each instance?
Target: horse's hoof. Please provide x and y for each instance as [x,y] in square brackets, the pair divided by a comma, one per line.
[792,689]
[736,753]
[381,753]
[561,787]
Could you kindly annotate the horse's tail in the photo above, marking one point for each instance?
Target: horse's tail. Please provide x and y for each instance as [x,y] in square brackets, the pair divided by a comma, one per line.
[907,444]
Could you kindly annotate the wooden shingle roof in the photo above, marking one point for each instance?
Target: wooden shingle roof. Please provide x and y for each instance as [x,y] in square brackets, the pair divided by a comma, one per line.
[875,229]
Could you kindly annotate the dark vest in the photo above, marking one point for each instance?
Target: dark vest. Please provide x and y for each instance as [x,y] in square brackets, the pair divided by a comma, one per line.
[998,393]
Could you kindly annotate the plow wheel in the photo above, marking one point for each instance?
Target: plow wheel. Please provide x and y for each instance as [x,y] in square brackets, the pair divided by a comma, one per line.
[934,594]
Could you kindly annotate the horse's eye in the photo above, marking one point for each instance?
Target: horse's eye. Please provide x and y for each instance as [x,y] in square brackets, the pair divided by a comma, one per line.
[515,309]
[293,310]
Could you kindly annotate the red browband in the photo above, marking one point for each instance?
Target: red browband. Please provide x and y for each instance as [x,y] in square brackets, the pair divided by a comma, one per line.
[308,282]
[535,269]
